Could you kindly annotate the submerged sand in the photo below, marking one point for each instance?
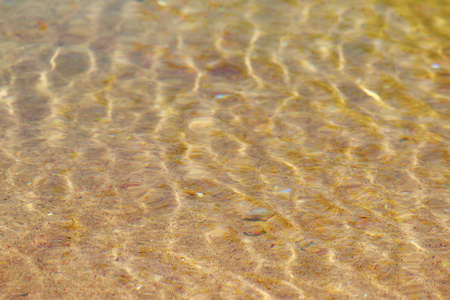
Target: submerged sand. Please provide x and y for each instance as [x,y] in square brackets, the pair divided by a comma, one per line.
[224,149]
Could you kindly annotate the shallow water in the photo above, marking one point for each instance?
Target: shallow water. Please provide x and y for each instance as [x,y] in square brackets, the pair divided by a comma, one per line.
[224,149]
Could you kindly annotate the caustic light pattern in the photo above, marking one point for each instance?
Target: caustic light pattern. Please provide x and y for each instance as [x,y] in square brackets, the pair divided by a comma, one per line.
[231,149]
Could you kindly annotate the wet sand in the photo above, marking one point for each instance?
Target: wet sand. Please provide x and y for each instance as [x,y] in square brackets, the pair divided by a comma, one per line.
[224,149]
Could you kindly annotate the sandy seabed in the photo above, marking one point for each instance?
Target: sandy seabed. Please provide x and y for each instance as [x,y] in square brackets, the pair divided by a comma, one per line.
[199,149]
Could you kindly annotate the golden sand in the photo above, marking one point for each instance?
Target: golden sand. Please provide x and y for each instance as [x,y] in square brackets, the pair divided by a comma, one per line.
[194,149]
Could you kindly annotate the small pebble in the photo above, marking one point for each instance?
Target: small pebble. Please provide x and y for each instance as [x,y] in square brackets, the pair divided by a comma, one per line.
[259,214]
[201,123]
[220,96]
[435,66]
[255,231]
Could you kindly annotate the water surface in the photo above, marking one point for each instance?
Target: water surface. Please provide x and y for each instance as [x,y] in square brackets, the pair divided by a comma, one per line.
[224,149]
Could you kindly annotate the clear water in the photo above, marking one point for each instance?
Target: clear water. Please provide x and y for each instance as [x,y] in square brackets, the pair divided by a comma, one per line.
[224,149]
